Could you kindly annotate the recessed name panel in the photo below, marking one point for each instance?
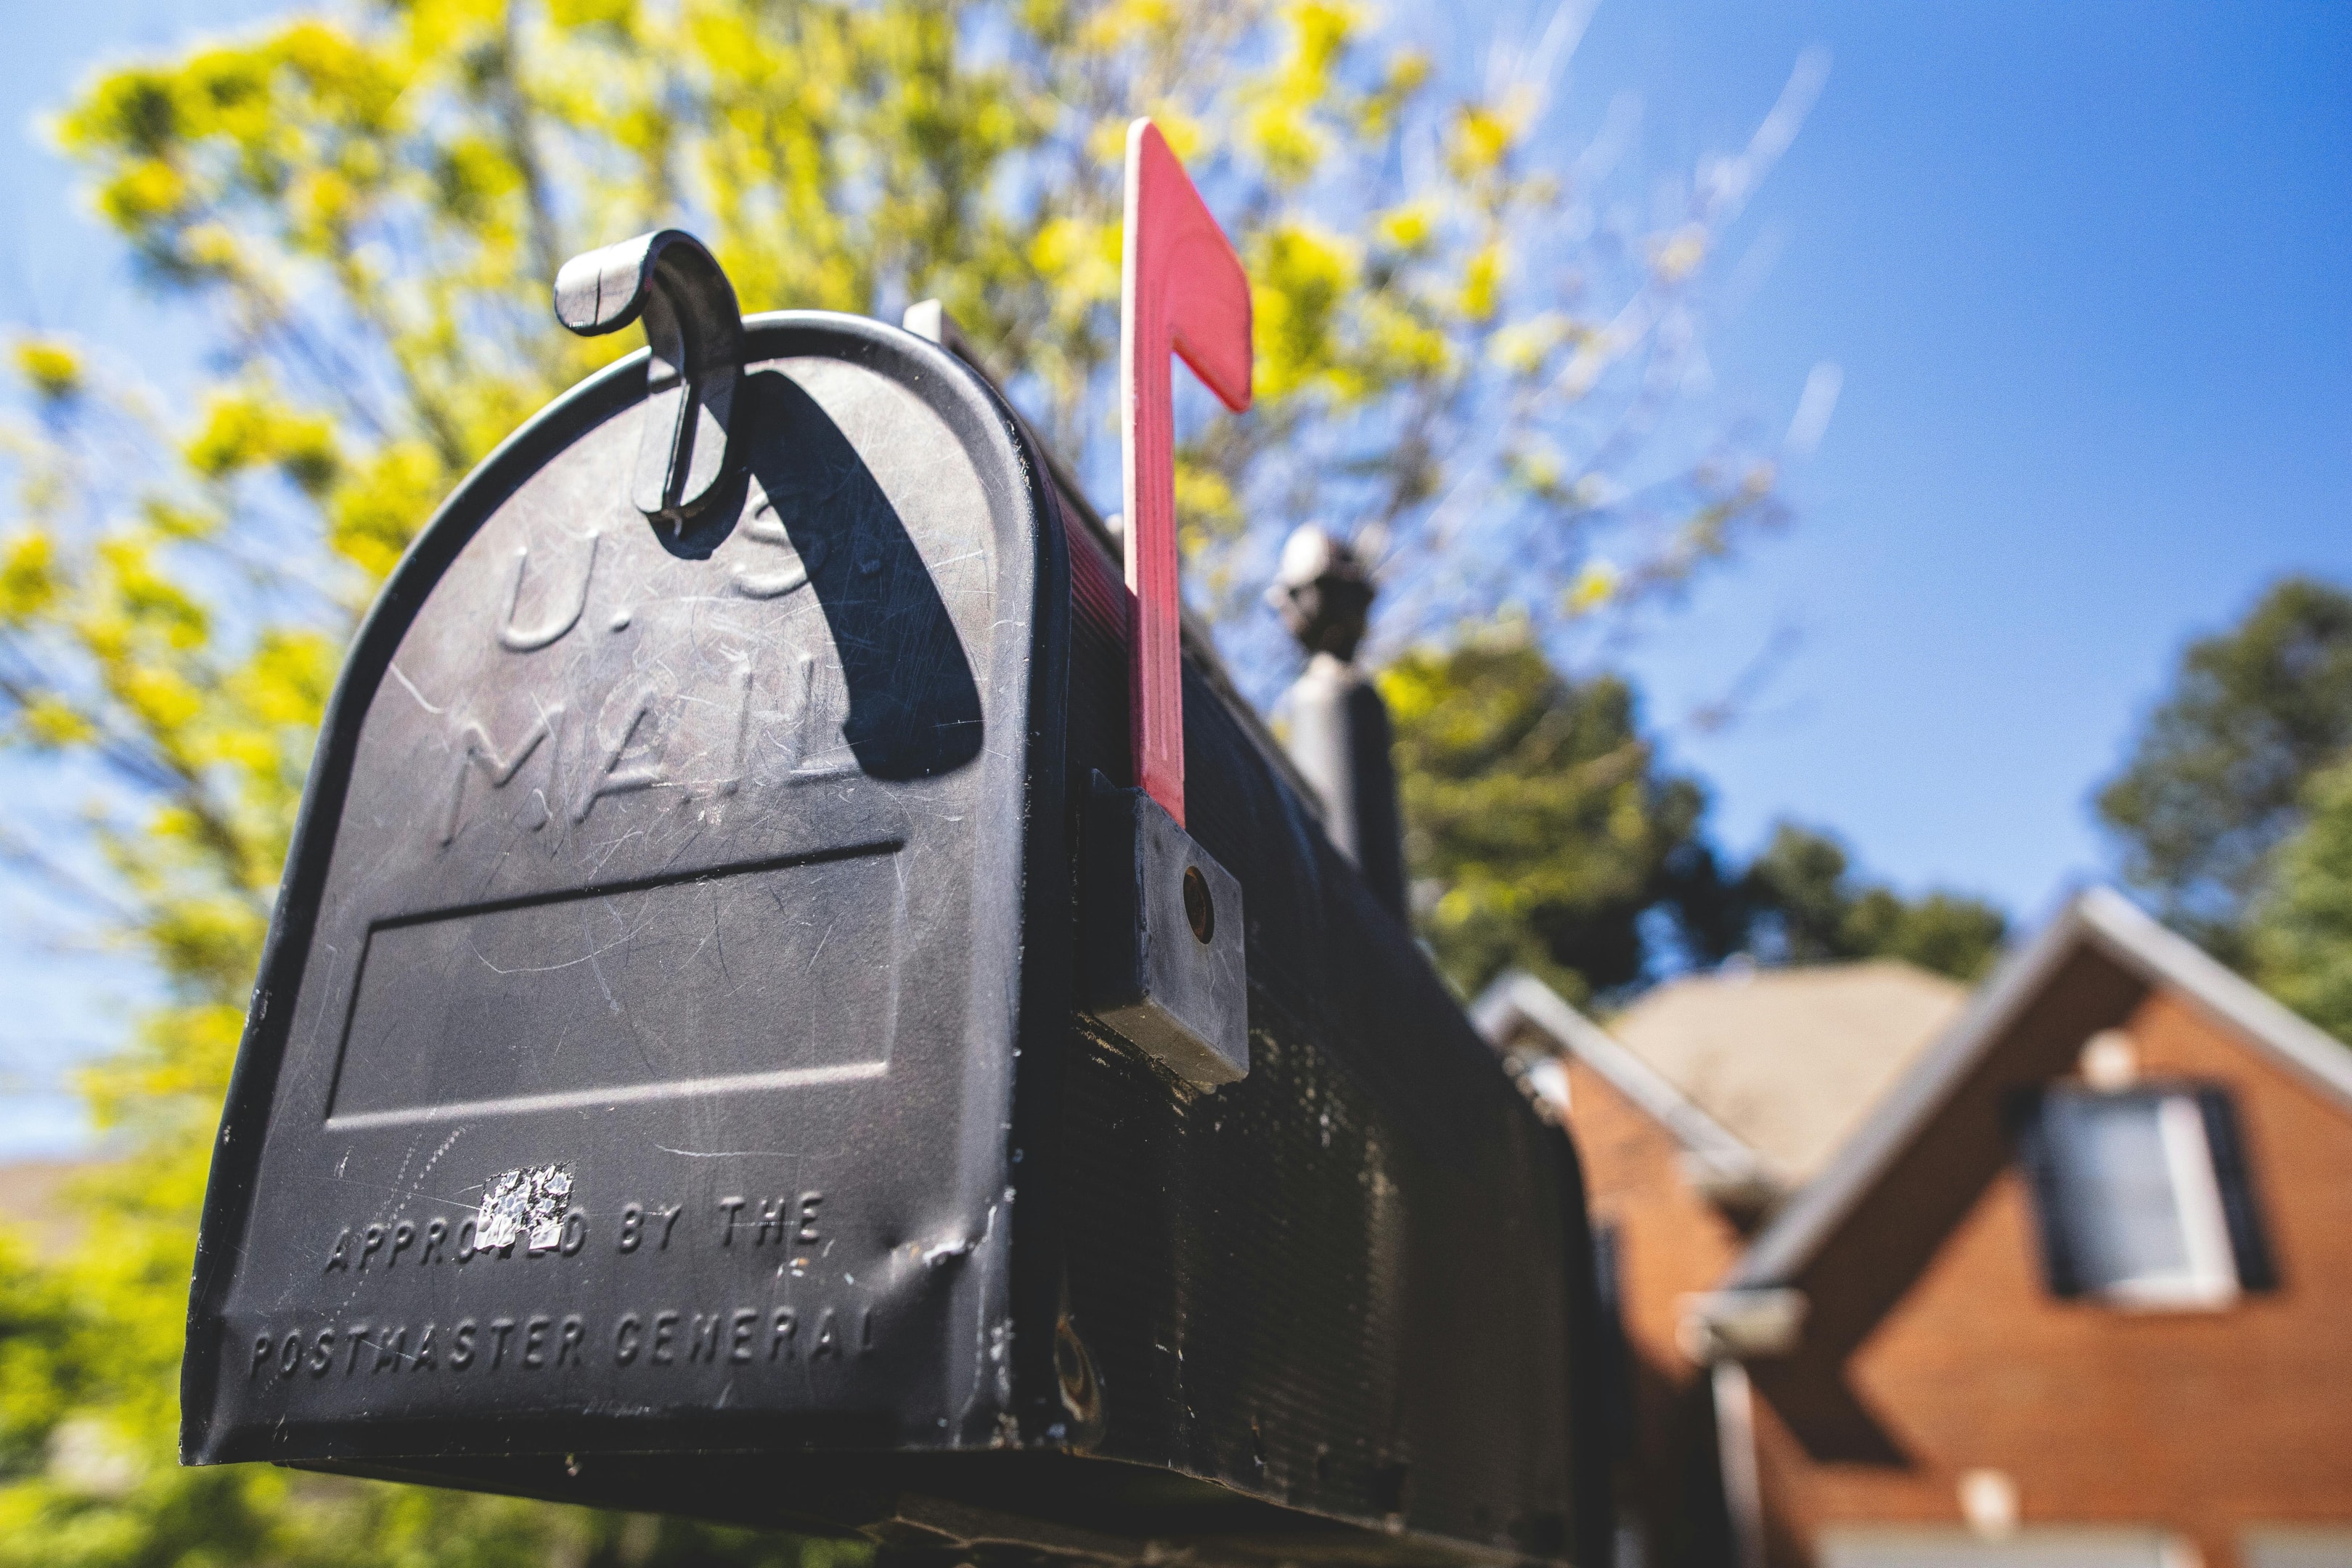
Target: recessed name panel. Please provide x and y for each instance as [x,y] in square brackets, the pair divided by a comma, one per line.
[765,975]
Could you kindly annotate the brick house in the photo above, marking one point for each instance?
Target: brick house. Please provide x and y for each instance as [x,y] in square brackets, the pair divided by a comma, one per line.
[2056,1276]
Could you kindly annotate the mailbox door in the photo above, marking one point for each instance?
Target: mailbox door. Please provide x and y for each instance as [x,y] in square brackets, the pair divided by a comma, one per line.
[632,1065]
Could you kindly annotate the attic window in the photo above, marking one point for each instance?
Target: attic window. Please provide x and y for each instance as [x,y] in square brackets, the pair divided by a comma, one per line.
[2143,1196]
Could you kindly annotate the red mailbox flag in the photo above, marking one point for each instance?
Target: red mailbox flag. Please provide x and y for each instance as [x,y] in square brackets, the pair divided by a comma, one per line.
[1181,288]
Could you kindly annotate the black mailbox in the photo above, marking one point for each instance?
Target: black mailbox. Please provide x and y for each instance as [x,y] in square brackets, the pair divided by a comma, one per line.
[669,1083]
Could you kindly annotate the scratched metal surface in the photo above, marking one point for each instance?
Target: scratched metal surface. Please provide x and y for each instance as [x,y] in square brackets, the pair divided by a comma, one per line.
[1343,1283]
[638,881]
[690,872]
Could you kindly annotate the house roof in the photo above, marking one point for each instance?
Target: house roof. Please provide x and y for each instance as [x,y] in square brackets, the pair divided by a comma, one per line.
[1519,1000]
[2098,923]
[1790,1061]
[1761,1074]
[1851,1241]
[1836,1073]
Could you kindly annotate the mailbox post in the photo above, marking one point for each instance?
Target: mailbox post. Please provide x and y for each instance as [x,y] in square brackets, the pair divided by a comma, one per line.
[1339,730]
[683,1074]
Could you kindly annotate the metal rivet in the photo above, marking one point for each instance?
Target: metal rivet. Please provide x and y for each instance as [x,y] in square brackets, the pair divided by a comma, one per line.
[1200,911]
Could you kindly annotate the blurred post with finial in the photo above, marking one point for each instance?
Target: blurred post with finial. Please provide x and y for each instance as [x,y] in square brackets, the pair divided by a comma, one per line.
[1337,722]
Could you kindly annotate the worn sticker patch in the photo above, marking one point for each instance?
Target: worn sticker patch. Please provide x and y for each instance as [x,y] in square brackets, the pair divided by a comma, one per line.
[526,1205]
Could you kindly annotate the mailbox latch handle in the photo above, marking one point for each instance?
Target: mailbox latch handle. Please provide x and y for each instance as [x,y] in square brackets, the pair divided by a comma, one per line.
[695,329]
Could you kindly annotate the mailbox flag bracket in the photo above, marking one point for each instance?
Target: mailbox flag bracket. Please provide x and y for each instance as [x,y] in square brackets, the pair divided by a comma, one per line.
[1162,963]
[695,329]
[1181,291]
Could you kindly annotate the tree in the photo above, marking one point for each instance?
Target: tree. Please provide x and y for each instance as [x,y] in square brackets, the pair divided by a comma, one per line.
[1539,829]
[2218,774]
[2300,931]
[1542,832]
[1460,353]
[1805,907]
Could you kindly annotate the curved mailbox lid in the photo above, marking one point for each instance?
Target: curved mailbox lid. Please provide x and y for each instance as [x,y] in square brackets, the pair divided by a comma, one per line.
[635,1042]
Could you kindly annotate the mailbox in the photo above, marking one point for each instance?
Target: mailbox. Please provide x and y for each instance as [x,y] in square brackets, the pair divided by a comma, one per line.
[681,1076]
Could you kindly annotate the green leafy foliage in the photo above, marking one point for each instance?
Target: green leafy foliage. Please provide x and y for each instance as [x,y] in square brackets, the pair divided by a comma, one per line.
[2300,931]
[1538,826]
[1807,906]
[2217,776]
[1543,833]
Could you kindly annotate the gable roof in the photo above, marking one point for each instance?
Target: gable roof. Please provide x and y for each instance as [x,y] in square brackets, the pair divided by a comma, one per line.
[1519,1001]
[2097,924]
[1790,1061]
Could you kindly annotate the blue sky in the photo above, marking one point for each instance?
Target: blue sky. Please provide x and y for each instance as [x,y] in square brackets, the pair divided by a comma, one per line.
[2083,268]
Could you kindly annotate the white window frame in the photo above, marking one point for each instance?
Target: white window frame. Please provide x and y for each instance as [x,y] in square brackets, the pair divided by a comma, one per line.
[2209,1278]
[2205,1278]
